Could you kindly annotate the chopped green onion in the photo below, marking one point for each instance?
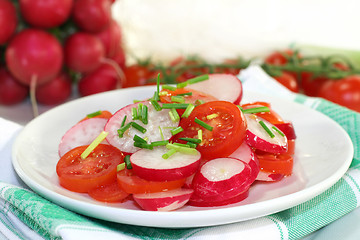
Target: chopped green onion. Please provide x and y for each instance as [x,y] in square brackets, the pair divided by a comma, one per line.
[156,105]
[168,87]
[123,121]
[168,153]
[178,99]
[203,124]
[255,110]
[94,114]
[134,113]
[188,110]
[136,101]
[127,162]
[174,115]
[160,143]
[138,127]
[182,149]
[120,167]
[212,116]
[176,130]
[139,139]
[278,130]
[139,110]
[122,130]
[182,84]
[192,145]
[200,135]
[94,144]
[198,79]
[181,145]
[266,129]
[161,133]
[199,102]
[143,145]
[185,94]
[193,140]
[175,105]
[163,93]
[144,114]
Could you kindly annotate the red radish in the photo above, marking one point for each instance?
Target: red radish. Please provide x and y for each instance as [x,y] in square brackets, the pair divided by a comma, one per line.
[269,177]
[83,52]
[34,53]
[163,201]
[221,179]
[225,87]
[246,154]
[188,181]
[104,78]
[11,91]
[82,133]
[8,20]
[45,13]
[259,138]
[111,38]
[92,15]
[150,165]
[120,57]
[157,129]
[288,129]
[209,202]
[54,92]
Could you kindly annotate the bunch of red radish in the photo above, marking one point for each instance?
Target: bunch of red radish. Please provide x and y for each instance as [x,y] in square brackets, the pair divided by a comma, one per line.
[50,44]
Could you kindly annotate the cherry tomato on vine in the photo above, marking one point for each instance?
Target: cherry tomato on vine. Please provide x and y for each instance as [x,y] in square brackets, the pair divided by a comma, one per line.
[139,75]
[288,81]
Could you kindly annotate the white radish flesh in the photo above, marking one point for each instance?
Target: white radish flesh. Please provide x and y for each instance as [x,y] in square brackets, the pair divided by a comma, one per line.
[259,138]
[222,86]
[221,179]
[163,201]
[150,165]
[82,133]
[158,127]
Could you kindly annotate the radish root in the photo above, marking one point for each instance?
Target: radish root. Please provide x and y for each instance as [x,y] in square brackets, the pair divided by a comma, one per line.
[34,104]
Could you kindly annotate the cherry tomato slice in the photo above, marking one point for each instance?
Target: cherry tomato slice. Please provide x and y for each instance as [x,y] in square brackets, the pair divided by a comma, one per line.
[131,183]
[81,175]
[275,163]
[108,193]
[271,116]
[228,133]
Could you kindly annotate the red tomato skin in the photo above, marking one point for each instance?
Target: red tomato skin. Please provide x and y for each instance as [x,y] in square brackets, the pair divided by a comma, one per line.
[138,75]
[345,92]
[275,163]
[11,91]
[288,81]
[8,20]
[311,86]
[82,175]
[45,13]
[225,137]
[110,193]
[54,92]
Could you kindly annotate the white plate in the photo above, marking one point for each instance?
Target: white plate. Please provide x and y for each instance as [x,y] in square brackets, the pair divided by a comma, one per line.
[323,154]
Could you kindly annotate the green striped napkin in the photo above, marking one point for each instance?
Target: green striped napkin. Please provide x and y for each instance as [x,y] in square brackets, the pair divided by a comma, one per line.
[26,215]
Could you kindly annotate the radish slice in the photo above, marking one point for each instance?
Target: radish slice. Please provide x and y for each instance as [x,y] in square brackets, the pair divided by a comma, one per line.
[221,179]
[82,133]
[209,202]
[156,120]
[222,86]
[246,154]
[269,177]
[259,138]
[288,129]
[150,165]
[163,201]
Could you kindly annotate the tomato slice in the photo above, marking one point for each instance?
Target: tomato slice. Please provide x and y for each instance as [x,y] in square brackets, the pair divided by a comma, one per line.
[195,95]
[81,175]
[131,183]
[108,193]
[291,147]
[276,163]
[271,116]
[228,133]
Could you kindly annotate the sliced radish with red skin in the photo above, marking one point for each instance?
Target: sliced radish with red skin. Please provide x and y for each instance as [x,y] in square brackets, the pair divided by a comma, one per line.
[288,129]
[150,165]
[246,154]
[269,177]
[82,133]
[163,201]
[156,120]
[188,181]
[222,86]
[257,137]
[209,202]
[221,179]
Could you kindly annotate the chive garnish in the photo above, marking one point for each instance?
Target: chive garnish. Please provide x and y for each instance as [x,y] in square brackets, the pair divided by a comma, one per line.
[161,133]
[122,130]
[181,144]
[192,145]
[182,149]
[139,139]
[174,116]
[198,79]
[177,99]
[123,121]
[176,130]
[175,105]
[278,131]
[185,94]
[94,114]
[127,162]
[156,105]
[138,127]
[144,114]
[255,110]
[212,116]
[182,84]
[200,135]
[168,153]
[188,110]
[168,87]
[266,129]
[134,113]
[160,143]
[203,124]
[199,102]
[143,145]
[94,144]
[120,167]
[193,140]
